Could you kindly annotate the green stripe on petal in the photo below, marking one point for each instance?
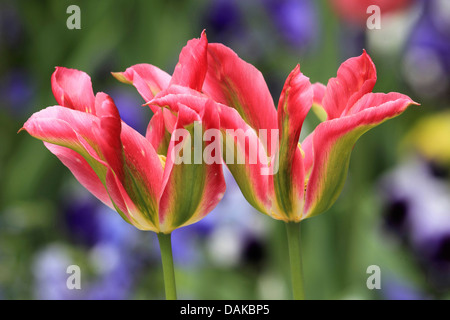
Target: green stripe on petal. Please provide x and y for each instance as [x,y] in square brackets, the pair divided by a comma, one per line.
[333,142]
[192,187]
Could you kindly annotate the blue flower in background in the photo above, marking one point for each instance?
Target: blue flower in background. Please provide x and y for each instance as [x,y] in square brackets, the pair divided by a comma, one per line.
[397,289]
[116,273]
[50,273]
[236,231]
[223,18]
[17,92]
[418,212]
[82,219]
[296,21]
[113,249]
[427,53]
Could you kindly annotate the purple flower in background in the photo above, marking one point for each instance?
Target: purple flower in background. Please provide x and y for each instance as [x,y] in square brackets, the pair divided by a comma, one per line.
[427,53]
[396,289]
[112,249]
[236,231]
[418,211]
[230,22]
[116,273]
[113,279]
[82,219]
[49,271]
[296,21]
[223,18]
[17,91]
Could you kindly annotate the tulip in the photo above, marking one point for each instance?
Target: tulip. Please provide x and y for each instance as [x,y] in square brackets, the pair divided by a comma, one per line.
[133,174]
[310,175]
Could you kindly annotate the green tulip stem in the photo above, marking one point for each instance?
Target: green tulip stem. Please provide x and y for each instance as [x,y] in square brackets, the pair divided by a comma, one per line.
[165,245]
[295,258]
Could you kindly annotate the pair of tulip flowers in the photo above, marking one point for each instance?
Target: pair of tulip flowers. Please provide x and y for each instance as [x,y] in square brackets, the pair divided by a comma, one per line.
[212,88]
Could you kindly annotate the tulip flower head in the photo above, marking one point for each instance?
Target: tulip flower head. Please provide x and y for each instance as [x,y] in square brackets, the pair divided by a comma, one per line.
[310,174]
[125,170]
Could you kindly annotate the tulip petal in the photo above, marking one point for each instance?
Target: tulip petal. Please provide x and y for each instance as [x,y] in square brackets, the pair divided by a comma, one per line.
[319,93]
[67,128]
[157,132]
[146,78]
[73,89]
[134,190]
[107,131]
[333,142]
[192,64]
[307,147]
[355,77]
[237,84]
[82,171]
[175,95]
[319,90]
[295,101]
[191,188]
[143,175]
[243,151]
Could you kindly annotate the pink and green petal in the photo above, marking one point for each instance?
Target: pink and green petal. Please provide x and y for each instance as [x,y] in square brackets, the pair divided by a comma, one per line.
[143,174]
[67,128]
[192,64]
[175,94]
[308,150]
[157,131]
[288,182]
[333,142]
[146,78]
[192,189]
[73,89]
[319,93]
[126,207]
[239,153]
[57,127]
[82,171]
[107,130]
[370,100]
[355,77]
[239,85]
[243,152]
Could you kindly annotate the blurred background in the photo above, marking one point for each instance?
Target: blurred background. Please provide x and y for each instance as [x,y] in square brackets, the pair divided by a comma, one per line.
[394,211]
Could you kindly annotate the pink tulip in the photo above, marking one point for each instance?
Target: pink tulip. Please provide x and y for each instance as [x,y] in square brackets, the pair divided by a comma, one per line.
[310,175]
[125,170]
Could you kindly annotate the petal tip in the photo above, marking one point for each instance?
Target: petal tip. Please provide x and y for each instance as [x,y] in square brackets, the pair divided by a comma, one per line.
[121,77]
